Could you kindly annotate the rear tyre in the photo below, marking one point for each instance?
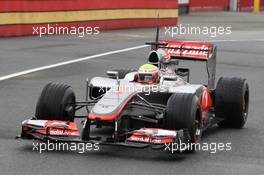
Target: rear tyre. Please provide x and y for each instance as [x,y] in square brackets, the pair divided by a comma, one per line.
[122,72]
[232,101]
[183,112]
[56,102]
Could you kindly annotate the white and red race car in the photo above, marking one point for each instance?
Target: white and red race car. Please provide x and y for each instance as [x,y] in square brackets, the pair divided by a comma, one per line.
[176,111]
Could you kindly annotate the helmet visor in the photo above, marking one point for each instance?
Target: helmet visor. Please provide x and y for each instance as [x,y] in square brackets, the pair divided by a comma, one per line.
[146,77]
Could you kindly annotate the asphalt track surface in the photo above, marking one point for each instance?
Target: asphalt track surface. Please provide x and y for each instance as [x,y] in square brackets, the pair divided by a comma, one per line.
[240,54]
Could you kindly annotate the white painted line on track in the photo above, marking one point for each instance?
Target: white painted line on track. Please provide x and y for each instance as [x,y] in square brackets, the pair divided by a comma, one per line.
[69,62]
[96,56]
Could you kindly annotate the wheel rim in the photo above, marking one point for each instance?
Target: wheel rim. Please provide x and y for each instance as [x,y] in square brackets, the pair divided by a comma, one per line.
[70,108]
[245,104]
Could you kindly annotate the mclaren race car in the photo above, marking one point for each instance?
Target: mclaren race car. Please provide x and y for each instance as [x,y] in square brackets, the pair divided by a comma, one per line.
[150,107]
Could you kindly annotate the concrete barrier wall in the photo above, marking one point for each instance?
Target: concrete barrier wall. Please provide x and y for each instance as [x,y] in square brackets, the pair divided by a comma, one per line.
[17,17]
[208,5]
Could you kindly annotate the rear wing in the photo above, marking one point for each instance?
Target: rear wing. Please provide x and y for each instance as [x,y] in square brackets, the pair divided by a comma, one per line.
[194,51]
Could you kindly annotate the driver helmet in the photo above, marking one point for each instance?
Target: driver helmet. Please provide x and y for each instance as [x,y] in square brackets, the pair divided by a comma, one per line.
[149,74]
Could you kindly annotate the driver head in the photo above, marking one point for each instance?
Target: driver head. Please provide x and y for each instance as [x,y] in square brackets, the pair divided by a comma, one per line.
[149,74]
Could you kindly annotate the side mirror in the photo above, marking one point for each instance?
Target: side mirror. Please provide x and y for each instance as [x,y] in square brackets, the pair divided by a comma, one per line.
[130,77]
[113,74]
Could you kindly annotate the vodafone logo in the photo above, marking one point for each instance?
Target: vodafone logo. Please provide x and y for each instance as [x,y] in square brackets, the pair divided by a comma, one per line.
[185,50]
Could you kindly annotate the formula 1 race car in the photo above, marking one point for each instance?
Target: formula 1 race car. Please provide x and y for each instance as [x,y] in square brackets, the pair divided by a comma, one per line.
[150,107]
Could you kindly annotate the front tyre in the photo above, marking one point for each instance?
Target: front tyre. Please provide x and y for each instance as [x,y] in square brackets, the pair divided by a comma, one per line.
[184,112]
[232,101]
[56,102]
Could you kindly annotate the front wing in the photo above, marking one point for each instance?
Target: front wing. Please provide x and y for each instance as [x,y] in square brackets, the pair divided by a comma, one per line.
[63,131]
